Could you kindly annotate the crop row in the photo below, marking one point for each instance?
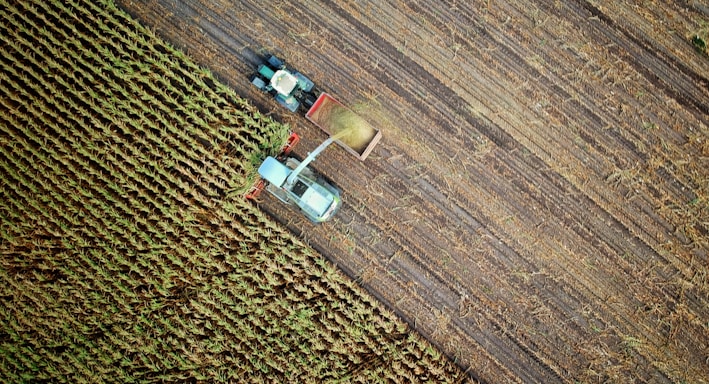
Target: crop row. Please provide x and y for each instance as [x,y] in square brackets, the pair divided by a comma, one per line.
[127,251]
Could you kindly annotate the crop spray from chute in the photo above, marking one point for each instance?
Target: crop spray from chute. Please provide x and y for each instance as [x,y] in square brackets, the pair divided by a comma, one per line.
[348,127]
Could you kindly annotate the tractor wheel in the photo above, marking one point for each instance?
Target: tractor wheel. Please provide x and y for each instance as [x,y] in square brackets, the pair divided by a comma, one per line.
[257,81]
[308,101]
[274,62]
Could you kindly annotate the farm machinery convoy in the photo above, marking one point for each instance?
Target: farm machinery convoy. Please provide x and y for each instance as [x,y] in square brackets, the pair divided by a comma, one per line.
[286,177]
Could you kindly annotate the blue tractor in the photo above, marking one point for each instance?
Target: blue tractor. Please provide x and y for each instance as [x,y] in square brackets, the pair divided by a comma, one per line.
[290,88]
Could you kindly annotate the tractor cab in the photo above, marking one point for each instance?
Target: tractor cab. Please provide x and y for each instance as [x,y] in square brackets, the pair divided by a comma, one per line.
[290,88]
[283,82]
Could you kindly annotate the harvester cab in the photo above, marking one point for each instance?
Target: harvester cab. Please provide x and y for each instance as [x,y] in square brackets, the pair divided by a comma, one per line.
[316,198]
[293,182]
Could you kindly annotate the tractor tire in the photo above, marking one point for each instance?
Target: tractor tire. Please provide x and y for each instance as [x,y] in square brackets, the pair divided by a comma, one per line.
[274,62]
[258,82]
[308,101]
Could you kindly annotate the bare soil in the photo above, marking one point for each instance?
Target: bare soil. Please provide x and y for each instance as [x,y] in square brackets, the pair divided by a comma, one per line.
[538,204]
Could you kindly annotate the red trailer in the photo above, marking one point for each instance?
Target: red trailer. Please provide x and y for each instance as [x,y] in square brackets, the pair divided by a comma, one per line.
[357,136]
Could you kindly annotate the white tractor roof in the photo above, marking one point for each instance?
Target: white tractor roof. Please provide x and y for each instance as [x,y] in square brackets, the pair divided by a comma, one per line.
[283,82]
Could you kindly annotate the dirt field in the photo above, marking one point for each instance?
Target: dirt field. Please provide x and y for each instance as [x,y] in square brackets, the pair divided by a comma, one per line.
[538,205]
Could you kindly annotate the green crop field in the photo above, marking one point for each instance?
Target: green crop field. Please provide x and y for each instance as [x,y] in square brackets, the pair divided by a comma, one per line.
[127,253]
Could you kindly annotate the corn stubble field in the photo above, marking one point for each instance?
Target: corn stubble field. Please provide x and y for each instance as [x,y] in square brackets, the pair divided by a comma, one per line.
[127,252]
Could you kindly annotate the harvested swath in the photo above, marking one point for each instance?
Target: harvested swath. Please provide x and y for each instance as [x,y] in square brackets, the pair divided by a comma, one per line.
[127,253]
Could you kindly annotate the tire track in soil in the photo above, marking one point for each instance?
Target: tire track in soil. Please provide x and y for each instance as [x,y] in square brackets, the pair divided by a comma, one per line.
[518,180]
[431,83]
[670,293]
[655,66]
[578,217]
[665,176]
[442,290]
